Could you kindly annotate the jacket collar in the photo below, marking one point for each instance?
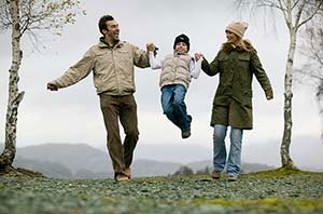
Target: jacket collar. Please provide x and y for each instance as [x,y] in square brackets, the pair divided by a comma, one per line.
[103,44]
[179,54]
[244,45]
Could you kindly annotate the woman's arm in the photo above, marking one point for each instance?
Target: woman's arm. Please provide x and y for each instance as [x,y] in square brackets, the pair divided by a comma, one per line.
[210,69]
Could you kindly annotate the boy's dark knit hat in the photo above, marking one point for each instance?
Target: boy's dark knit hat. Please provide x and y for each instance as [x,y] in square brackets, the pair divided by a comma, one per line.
[182,38]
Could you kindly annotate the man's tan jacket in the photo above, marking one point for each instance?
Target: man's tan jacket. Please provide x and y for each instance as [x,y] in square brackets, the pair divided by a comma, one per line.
[113,68]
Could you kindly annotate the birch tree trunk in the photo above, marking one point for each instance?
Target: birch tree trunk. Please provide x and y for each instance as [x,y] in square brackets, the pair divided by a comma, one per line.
[23,16]
[287,162]
[296,14]
[15,97]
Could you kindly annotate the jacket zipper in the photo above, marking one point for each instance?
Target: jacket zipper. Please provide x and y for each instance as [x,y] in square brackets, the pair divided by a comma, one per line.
[115,72]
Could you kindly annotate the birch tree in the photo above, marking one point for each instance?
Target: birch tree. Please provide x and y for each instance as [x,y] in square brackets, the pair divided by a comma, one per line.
[295,14]
[312,49]
[27,17]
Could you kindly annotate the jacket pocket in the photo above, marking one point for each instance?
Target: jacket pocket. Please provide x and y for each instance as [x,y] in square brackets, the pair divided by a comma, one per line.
[123,54]
[222,61]
[244,57]
[247,99]
[124,58]
[103,58]
[243,61]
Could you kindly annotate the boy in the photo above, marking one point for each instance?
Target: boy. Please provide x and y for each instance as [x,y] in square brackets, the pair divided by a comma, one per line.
[177,71]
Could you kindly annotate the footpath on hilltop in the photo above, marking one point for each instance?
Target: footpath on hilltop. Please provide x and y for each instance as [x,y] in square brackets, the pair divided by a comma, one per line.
[264,192]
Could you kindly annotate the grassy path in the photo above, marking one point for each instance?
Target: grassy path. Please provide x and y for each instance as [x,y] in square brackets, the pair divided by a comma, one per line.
[268,192]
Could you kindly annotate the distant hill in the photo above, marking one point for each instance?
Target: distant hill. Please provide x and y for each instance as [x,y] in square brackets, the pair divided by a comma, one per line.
[49,169]
[245,167]
[154,168]
[178,152]
[73,156]
[83,161]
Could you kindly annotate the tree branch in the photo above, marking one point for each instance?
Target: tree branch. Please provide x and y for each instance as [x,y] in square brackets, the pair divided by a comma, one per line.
[285,14]
[295,4]
[318,7]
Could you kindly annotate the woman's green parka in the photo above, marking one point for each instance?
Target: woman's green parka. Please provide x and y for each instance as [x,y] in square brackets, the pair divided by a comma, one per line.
[232,103]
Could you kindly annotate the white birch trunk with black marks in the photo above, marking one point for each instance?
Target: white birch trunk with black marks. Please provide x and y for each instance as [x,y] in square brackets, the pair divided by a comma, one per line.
[296,14]
[15,97]
[287,162]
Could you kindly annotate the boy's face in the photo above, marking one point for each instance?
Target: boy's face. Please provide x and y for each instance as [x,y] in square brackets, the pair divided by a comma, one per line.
[181,48]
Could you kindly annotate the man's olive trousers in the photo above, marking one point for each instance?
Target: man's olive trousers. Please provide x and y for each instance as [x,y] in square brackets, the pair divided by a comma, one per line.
[123,108]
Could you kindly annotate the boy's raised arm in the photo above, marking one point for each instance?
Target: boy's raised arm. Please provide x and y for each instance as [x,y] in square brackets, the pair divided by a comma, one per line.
[154,63]
[195,68]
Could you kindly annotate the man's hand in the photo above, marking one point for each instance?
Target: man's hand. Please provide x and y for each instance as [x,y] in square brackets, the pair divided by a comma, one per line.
[52,87]
[150,47]
[269,95]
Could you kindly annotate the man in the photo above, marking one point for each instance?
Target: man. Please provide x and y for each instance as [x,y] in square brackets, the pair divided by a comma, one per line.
[112,62]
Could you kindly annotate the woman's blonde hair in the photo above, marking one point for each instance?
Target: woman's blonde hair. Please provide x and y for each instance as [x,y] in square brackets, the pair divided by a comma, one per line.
[244,44]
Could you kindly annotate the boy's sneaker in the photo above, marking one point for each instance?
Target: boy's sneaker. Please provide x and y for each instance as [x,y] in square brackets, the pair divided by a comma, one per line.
[216,174]
[186,134]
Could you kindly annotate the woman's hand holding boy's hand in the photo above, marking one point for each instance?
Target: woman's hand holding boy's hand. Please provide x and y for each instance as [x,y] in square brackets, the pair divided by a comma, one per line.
[198,56]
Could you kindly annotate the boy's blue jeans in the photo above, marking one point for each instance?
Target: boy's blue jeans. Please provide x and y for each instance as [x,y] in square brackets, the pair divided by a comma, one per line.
[220,153]
[172,101]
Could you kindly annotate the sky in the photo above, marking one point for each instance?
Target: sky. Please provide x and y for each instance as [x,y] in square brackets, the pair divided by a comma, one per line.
[72,115]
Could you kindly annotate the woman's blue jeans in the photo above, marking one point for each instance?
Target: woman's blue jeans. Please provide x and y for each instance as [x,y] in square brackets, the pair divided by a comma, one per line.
[172,100]
[220,153]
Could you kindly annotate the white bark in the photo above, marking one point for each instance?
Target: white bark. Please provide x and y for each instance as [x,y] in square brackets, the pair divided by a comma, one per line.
[286,141]
[293,13]
[23,16]
[286,159]
[293,18]
[15,97]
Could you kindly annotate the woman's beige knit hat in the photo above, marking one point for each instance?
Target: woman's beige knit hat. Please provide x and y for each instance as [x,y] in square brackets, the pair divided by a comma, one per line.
[239,28]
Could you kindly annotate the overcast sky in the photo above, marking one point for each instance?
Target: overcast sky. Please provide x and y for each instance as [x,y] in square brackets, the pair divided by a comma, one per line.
[73,115]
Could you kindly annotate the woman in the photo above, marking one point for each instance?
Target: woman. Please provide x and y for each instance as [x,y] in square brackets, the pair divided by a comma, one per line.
[236,63]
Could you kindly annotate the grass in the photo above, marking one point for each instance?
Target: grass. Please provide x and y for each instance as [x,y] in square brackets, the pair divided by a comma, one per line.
[264,192]
[283,172]
[269,204]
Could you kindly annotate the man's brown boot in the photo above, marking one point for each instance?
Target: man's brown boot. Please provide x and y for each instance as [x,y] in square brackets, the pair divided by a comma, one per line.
[216,174]
[127,172]
[121,178]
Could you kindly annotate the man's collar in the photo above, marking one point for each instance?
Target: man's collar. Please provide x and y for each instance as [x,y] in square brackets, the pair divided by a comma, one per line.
[104,44]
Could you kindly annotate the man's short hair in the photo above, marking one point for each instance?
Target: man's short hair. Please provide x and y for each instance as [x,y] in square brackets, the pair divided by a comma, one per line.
[102,22]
